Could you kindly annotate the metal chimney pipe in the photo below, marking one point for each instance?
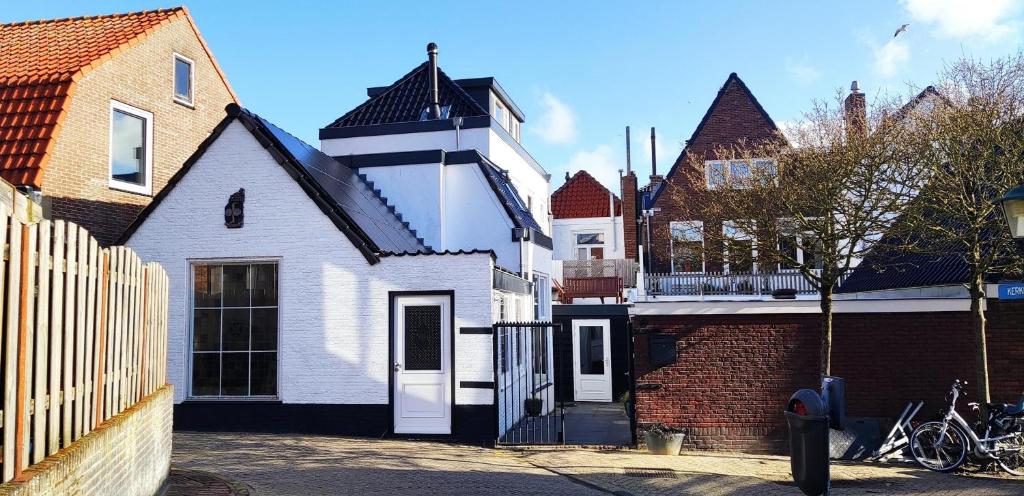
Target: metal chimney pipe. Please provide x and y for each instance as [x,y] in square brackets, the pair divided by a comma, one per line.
[435,93]
[629,167]
[654,159]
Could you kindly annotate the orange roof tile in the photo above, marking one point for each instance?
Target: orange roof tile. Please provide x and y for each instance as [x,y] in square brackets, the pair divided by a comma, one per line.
[40,63]
[582,196]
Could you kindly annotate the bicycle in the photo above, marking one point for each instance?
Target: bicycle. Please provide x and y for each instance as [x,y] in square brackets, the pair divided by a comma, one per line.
[943,446]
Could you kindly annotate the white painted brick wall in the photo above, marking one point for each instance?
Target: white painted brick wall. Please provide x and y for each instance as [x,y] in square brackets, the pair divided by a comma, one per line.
[333,334]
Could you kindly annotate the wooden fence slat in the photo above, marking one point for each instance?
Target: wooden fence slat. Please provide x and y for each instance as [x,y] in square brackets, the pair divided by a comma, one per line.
[102,328]
[11,345]
[89,398]
[22,424]
[42,345]
[56,335]
[81,274]
[119,308]
[136,313]
[67,364]
[7,472]
[129,328]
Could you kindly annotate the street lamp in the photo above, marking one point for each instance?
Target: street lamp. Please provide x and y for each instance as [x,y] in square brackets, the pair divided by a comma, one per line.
[1013,209]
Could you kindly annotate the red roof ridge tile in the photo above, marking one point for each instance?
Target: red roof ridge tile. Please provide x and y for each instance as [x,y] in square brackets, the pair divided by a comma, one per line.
[181,8]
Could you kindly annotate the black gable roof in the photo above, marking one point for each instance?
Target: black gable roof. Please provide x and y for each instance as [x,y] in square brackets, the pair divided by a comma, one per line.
[373,226]
[406,99]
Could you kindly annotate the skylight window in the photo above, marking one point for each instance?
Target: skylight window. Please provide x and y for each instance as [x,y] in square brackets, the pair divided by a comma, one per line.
[445,112]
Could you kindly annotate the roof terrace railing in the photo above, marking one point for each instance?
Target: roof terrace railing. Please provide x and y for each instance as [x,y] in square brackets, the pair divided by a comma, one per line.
[729,284]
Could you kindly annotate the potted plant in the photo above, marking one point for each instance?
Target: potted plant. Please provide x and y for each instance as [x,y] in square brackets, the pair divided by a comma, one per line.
[624,399]
[533,406]
[662,440]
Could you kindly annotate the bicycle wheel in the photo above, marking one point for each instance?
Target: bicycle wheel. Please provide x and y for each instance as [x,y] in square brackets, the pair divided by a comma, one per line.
[938,447]
[1013,463]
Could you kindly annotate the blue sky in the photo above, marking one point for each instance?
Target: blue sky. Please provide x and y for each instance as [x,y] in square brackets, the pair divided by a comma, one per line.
[581,71]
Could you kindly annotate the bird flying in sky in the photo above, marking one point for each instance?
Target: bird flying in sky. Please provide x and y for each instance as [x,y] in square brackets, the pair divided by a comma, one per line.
[902,29]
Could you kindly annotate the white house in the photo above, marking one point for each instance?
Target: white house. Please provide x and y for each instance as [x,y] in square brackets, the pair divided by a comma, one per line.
[302,301]
[447,155]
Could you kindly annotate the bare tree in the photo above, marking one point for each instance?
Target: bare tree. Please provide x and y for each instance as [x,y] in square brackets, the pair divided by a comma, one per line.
[971,141]
[813,201]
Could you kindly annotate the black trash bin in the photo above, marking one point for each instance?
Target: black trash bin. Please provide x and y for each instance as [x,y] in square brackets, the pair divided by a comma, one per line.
[807,417]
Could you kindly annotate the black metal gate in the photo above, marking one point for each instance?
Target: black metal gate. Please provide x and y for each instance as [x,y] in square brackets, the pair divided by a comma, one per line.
[524,376]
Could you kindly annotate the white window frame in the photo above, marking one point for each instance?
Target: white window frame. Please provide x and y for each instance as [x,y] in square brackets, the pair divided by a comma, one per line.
[142,189]
[727,166]
[542,285]
[190,324]
[576,246]
[731,232]
[693,225]
[190,101]
[801,256]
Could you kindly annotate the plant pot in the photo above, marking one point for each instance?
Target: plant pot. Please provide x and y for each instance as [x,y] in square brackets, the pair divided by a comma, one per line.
[533,406]
[664,443]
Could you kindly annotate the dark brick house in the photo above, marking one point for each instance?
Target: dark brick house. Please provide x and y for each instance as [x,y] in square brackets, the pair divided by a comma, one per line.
[676,225]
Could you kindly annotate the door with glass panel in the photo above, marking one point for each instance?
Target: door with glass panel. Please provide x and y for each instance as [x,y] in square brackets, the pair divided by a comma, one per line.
[591,357]
[422,368]
[233,350]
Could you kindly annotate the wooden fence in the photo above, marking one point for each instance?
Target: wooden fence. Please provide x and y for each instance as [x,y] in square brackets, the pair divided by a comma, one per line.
[83,336]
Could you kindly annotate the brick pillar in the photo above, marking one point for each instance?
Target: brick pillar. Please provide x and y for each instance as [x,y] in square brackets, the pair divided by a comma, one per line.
[629,215]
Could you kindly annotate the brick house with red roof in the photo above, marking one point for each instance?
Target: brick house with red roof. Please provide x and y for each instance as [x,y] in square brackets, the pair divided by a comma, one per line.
[97,113]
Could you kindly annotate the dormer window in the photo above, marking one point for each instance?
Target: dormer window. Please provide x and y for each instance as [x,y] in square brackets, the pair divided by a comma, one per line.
[501,114]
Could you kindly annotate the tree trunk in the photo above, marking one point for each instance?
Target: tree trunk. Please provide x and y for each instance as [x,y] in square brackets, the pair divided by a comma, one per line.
[977,289]
[826,330]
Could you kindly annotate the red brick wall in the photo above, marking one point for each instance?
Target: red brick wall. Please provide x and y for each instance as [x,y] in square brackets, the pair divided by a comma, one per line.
[732,377]
[734,374]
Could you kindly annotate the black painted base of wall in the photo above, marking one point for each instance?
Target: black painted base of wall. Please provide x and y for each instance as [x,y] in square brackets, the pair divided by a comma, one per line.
[471,423]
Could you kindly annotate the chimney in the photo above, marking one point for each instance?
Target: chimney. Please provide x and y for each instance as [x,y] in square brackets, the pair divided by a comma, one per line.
[655,178]
[629,194]
[855,111]
[435,93]
[629,166]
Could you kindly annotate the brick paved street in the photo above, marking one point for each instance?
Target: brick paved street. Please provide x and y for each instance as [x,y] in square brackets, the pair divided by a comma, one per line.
[320,465]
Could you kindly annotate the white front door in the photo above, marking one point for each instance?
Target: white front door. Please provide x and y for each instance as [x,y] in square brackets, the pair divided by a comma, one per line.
[591,360]
[422,381]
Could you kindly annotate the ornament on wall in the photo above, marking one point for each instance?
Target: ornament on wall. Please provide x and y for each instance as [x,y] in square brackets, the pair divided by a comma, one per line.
[234,210]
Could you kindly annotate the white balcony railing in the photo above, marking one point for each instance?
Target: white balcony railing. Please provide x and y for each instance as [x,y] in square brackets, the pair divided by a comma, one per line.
[585,269]
[729,284]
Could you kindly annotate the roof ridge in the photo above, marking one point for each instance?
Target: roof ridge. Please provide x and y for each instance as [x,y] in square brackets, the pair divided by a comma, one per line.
[181,8]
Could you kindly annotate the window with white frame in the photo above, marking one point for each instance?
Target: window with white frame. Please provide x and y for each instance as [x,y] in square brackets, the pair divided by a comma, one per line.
[735,173]
[687,246]
[501,114]
[740,248]
[541,296]
[801,248]
[234,330]
[589,246]
[131,145]
[184,79]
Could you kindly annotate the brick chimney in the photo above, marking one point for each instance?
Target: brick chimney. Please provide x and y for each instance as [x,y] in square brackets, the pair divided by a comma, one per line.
[855,111]
[629,194]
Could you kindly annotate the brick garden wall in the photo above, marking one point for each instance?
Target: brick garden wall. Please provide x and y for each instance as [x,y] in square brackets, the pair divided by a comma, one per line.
[734,374]
[128,455]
